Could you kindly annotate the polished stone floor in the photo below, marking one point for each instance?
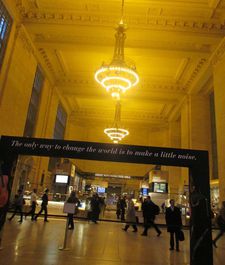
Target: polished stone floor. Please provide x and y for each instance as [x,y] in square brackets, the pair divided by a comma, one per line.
[37,243]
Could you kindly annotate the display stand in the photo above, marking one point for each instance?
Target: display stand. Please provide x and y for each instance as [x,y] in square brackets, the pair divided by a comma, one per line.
[68,208]
[65,236]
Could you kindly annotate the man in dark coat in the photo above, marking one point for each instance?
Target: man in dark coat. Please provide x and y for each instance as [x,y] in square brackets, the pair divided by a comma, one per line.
[95,208]
[149,212]
[123,206]
[44,206]
[174,224]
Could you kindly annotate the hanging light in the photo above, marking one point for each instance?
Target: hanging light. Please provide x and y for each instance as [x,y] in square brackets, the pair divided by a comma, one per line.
[118,76]
[115,133]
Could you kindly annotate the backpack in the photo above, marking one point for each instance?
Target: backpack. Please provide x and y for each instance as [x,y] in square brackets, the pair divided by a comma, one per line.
[156,209]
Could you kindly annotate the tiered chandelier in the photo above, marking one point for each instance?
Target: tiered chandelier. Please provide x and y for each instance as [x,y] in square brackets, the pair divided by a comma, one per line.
[117,76]
[115,133]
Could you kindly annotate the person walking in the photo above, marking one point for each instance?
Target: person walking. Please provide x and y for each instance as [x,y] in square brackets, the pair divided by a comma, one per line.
[95,208]
[149,213]
[221,223]
[72,199]
[18,205]
[44,206]
[118,211]
[33,200]
[123,206]
[130,216]
[174,224]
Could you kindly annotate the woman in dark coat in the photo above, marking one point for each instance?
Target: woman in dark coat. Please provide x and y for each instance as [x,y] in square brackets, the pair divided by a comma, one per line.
[174,224]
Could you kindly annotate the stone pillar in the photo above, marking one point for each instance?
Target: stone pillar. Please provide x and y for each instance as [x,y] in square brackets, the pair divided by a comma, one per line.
[175,179]
[195,126]
[218,61]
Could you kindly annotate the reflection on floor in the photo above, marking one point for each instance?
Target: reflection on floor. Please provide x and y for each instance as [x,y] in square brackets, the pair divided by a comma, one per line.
[37,243]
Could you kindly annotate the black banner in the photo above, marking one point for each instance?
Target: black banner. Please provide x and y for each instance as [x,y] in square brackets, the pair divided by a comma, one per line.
[103,152]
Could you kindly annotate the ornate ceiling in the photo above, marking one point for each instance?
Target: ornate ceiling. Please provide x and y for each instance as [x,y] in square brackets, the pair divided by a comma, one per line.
[170,42]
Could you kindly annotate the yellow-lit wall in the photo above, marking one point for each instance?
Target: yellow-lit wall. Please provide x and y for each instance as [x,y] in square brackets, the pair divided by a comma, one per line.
[219,88]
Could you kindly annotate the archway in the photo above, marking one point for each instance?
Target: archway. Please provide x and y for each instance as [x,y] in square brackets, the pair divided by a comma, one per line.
[195,160]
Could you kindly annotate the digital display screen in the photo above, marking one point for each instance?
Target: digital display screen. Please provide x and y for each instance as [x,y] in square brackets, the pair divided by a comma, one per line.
[61,179]
[160,187]
[100,189]
[145,191]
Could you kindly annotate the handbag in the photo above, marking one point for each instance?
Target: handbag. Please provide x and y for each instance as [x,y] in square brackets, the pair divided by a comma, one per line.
[69,208]
[181,235]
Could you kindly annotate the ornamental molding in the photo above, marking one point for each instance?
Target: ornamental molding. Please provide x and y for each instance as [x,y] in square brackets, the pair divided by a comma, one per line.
[195,72]
[137,21]
[47,62]
[26,41]
[129,116]
[153,84]
[218,54]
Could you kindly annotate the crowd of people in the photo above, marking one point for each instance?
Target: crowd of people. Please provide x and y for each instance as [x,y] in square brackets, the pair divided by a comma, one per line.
[125,212]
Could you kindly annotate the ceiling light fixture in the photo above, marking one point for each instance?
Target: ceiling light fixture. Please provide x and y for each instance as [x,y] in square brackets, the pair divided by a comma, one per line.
[118,76]
[115,133]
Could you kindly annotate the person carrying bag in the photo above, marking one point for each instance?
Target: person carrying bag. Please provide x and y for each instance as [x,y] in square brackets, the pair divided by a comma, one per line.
[174,224]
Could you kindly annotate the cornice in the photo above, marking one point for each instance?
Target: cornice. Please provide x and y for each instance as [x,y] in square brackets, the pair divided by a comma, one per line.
[157,22]
[107,115]
[24,37]
[218,54]
[70,82]
[47,61]
[195,72]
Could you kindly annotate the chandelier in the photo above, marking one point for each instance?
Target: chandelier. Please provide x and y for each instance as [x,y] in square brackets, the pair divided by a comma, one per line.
[118,76]
[115,133]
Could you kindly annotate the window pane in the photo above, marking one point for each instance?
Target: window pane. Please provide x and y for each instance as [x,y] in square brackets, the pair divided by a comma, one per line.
[34,104]
[5,27]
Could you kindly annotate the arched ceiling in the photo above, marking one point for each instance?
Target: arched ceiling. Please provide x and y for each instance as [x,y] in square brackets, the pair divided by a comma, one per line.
[169,41]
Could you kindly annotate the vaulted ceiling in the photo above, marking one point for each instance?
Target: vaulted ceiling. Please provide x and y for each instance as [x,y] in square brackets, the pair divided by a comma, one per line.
[169,41]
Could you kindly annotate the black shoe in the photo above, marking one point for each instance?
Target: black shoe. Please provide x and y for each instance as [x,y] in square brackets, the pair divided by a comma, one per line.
[171,248]
[46,221]
[135,230]
[70,228]
[177,249]
[214,244]
[124,229]
[20,221]
[144,234]
[159,233]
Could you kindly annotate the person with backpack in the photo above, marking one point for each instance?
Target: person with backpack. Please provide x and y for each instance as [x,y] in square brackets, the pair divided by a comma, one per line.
[150,210]
[18,205]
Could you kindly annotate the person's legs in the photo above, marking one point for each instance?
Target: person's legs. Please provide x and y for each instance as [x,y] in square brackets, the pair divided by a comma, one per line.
[46,213]
[126,227]
[156,228]
[70,221]
[122,214]
[21,213]
[177,240]
[32,212]
[146,227]
[15,212]
[221,232]
[171,240]
[135,228]
[42,209]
